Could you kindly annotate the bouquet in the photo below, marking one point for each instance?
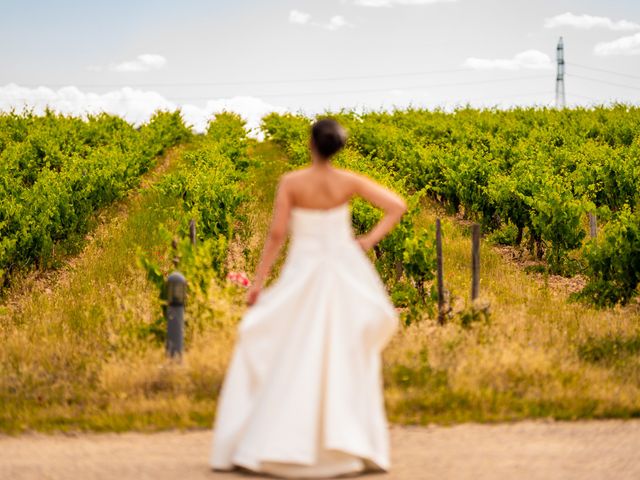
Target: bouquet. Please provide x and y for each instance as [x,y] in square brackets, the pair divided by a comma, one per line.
[239,278]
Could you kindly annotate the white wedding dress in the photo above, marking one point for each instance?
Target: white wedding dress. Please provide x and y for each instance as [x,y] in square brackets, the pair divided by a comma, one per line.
[303,394]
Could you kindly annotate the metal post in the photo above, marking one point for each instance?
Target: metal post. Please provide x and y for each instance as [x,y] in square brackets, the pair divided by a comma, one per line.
[475,261]
[440,273]
[560,97]
[176,293]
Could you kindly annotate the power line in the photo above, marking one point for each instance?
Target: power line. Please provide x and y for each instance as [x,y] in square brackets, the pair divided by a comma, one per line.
[259,82]
[603,70]
[300,80]
[376,90]
[633,87]
[343,92]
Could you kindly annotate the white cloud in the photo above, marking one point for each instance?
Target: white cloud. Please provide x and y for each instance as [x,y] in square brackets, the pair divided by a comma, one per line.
[252,109]
[296,16]
[529,59]
[135,106]
[390,3]
[336,22]
[586,22]
[142,63]
[629,45]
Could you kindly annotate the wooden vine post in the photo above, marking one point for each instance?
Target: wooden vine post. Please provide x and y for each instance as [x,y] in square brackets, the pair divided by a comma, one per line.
[593,225]
[475,261]
[192,231]
[441,312]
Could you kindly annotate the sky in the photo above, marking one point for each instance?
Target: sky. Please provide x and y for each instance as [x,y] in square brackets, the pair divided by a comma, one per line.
[135,56]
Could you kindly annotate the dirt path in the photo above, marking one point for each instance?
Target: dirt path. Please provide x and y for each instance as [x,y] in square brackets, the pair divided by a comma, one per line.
[524,451]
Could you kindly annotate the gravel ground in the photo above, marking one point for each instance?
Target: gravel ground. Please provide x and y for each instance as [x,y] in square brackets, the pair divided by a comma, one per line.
[525,450]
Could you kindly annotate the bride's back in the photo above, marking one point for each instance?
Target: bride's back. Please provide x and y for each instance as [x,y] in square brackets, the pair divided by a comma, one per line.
[323,187]
[320,187]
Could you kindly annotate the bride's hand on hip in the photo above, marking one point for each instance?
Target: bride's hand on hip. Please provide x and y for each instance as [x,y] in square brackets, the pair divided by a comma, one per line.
[364,242]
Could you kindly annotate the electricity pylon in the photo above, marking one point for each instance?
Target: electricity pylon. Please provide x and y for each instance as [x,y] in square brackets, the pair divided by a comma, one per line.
[560,98]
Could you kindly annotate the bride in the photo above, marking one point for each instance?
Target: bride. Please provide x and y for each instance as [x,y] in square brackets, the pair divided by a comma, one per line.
[303,393]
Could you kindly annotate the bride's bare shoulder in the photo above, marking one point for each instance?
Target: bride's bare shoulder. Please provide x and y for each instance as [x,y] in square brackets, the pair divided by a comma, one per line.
[302,176]
[351,175]
[292,177]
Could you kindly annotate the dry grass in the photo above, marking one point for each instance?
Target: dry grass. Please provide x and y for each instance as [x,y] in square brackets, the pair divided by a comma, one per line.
[531,359]
[75,354]
[75,351]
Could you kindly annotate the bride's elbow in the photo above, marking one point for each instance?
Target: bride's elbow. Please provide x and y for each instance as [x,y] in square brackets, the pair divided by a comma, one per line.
[397,210]
[402,207]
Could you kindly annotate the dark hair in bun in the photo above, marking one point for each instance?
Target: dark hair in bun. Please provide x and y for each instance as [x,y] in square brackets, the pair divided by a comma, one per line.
[328,137]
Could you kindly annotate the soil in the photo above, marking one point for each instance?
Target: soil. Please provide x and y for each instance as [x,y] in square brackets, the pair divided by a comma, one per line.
[525,450]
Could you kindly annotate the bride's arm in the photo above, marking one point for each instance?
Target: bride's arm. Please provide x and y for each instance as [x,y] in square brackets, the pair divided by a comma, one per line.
[276,236]
[393,205]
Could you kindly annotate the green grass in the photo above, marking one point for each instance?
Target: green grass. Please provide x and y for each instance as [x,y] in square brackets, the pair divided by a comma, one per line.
[75,356]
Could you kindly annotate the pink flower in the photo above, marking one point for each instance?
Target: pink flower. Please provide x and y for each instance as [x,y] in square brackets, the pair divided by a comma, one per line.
[239,278]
